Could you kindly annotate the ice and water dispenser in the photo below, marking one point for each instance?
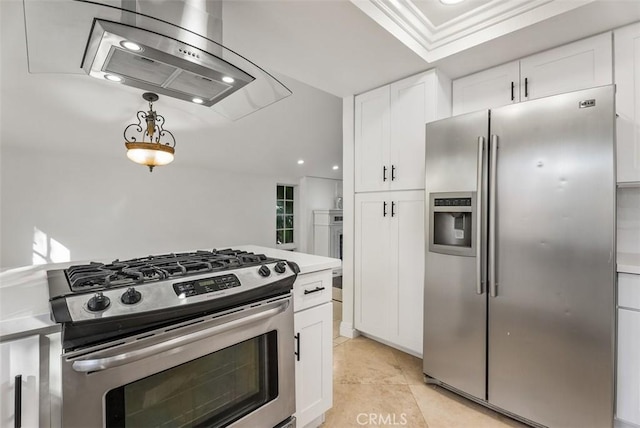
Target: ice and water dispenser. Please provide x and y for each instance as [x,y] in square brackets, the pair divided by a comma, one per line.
[451,219]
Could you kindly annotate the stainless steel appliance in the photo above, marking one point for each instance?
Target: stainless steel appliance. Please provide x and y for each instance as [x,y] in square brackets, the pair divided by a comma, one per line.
[191,339]
[169,47]
[521,317]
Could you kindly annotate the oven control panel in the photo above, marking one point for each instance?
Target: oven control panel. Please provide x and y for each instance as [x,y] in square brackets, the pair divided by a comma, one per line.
[206,285]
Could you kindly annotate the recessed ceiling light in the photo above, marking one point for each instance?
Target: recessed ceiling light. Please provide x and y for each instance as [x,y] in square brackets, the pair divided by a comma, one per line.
[131,46]
[300,162]
[197,100]
[451,1]
[113,77]
[336,167]
[228,79]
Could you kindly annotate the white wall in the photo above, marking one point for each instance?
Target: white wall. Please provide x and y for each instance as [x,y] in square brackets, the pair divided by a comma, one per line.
[629,220]
[348,225]
[64,169]
[315,194]
[112,208]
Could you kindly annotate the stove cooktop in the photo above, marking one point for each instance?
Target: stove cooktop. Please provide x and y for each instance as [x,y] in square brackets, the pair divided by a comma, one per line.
[98,276]
[123,296]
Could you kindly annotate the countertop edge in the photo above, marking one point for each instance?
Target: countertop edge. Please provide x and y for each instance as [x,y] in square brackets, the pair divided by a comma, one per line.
[18,328]
[307,263]
[628,263]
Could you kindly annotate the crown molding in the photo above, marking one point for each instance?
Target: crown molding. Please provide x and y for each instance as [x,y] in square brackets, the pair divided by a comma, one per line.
[407,23]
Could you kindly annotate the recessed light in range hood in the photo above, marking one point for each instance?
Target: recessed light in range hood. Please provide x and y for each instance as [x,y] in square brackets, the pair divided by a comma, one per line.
[180,53]
[176,69]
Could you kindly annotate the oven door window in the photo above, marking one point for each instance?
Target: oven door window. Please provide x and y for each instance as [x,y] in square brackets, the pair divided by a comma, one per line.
[211,391]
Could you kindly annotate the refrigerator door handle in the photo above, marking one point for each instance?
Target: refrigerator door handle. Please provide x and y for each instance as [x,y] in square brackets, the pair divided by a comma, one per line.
[479,279]
[493,283]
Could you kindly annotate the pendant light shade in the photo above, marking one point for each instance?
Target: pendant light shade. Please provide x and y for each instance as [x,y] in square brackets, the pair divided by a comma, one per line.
[149,144]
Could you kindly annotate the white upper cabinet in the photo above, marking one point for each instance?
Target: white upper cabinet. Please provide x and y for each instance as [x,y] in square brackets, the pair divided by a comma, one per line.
[627,79]
[389,131]
[497,86]
[583,64]
[372,140]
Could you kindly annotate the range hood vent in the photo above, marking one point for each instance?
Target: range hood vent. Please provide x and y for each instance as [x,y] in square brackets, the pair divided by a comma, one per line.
[178,70]
[181,59]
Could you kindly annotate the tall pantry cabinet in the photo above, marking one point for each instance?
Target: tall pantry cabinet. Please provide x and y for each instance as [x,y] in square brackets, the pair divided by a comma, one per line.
[389,150]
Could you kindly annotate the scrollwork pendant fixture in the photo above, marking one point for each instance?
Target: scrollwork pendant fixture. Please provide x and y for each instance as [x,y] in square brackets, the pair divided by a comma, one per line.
[155,145]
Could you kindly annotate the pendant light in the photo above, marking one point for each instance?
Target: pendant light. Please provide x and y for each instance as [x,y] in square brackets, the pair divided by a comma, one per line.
[149,150]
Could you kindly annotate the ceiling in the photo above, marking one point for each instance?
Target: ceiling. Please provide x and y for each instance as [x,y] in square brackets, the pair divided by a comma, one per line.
[348,47]
[320,49]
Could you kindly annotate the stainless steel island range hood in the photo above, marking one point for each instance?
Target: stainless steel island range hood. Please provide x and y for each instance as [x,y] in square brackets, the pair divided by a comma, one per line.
[171,47]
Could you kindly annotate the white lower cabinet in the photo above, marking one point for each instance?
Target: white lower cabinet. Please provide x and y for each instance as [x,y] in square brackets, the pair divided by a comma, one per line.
[313,326]
[628,382]
[20,371]
[389,267]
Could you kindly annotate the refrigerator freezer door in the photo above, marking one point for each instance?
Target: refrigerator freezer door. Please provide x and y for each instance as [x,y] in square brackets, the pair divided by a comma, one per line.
[551,324]
[455,305]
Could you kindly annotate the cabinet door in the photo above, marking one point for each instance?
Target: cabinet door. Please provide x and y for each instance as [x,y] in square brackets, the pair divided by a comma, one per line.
[372,169]
[411,102]
[314,363]
[410,244]
[20,358]
[376,298]
[628,394]
[580,65]
[627,78]
[494,87]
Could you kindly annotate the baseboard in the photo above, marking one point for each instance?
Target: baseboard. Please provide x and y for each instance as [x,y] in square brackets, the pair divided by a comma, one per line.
[619,423]
[347,330]
[391,344]
[316,422]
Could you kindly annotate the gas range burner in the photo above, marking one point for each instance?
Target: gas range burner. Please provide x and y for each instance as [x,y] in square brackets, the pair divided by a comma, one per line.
[118,273]
[96,302]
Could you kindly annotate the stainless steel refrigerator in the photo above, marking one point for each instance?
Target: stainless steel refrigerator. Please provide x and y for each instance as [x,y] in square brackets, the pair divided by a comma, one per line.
[520,259]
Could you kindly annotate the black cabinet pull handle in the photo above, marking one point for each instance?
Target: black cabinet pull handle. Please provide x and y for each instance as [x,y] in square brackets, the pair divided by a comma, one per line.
[526,87]
[393,209]
[17,409]
[393,172]
[384,209]
[513,94]
[384,173]
[297,353]
[315,290]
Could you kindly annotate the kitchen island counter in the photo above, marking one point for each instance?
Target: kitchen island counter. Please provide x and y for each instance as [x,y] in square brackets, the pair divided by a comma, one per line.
[306,262]
[24,291]
[24,301]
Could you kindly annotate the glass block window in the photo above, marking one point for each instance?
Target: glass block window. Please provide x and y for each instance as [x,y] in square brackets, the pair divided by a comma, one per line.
[284,214]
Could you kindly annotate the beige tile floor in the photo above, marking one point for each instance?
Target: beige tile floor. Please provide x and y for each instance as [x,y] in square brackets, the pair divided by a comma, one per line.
[378,386]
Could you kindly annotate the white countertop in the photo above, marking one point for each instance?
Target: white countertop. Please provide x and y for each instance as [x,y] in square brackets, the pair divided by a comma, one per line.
[306,262]
[24,291]
[24,301]
[628,263]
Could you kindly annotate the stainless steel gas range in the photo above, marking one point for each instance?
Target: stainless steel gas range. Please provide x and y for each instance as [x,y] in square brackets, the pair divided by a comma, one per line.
[191,340]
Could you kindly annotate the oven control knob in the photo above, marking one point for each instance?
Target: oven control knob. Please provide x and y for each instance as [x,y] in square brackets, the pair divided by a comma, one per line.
[264,271]
[99,302]
[131,296]
[280,267]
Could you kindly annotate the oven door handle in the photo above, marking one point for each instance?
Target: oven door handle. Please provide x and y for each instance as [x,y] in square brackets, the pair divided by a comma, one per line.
[84,366]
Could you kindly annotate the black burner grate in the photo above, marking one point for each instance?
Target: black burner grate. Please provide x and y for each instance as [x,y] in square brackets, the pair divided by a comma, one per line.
[156,268]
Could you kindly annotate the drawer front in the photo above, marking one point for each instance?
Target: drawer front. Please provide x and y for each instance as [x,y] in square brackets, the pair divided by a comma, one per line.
[311,289]
[629,291]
